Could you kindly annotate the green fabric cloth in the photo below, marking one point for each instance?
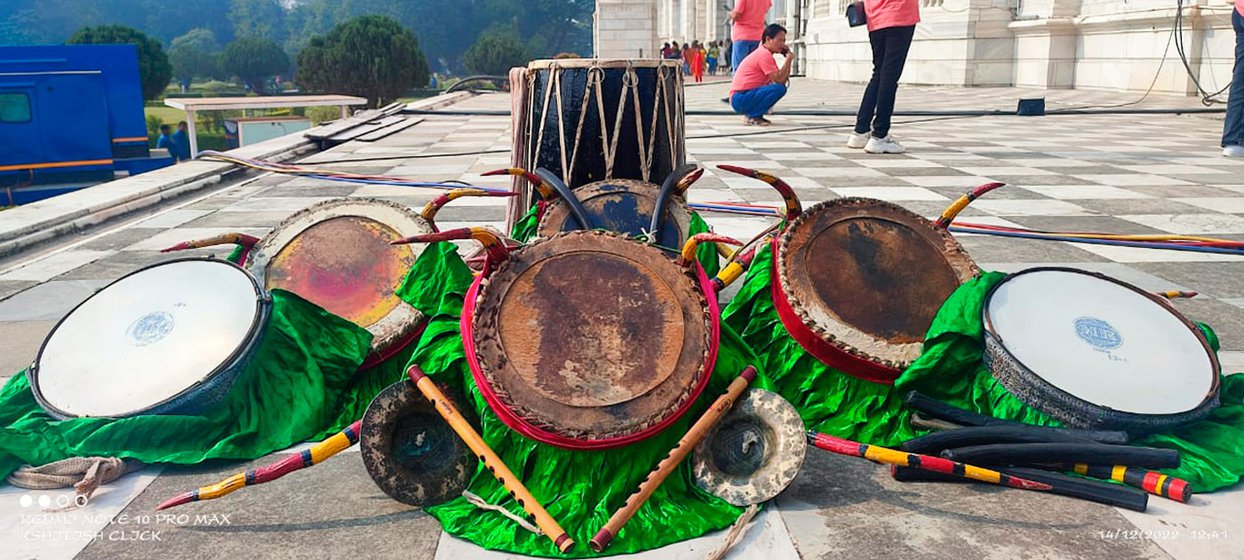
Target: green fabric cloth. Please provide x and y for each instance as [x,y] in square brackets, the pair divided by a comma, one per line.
[303,384]
[292,388]
[951,369]
[580,489]
[525,229]
[829,400]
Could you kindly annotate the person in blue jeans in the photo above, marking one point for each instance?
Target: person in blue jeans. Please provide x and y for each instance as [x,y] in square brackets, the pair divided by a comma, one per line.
[747,24]
[1233,128]
[759,83]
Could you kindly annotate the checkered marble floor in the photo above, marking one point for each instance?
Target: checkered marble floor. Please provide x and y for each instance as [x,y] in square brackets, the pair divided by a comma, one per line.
[1132,173]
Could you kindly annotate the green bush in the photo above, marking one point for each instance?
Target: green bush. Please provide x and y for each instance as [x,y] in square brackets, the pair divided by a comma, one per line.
[322,114]
[153,126]
[369,56]
[494,55]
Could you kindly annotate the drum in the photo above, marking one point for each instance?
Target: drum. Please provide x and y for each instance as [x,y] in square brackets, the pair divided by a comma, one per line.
[337,255]
[858,282]
[593,119]
[170,338]
[754,453]
[589,339]
[1094,352]
[409,450]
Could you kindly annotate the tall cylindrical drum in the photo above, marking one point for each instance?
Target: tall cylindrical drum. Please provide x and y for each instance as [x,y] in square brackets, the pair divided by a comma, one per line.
[592,119]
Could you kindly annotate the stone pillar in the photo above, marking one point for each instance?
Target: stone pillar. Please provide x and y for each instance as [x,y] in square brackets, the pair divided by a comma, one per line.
[625,29]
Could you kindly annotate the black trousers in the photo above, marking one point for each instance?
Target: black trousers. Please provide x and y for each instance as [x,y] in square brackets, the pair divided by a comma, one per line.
[890,46]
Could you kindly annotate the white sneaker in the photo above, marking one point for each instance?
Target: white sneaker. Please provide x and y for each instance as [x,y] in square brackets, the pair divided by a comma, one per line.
[1233,151]
[857,140]
[887,145]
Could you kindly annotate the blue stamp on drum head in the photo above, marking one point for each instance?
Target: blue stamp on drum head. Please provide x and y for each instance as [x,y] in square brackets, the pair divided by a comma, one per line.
[1098,333]
[150,328]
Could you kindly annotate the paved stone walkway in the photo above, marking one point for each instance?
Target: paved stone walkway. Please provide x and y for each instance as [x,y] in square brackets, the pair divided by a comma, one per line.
[1134,173]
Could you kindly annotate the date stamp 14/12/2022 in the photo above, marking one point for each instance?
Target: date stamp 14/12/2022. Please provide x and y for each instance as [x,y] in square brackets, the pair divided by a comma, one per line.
[1172,533]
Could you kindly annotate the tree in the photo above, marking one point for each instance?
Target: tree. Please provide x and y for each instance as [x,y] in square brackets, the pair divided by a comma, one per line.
[258,18]
[370,56]
[494,55]
[153,65]
[253,60]
[194,55]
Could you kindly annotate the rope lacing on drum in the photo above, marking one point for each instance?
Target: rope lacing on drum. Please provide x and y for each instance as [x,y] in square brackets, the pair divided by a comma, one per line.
[544,114]
[595,82]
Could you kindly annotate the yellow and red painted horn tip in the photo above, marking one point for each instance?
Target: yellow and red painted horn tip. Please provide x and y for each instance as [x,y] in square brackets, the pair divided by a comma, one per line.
[1178,294]
[178,247]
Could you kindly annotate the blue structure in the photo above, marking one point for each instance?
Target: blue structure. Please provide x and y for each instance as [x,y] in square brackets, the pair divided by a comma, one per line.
[70,116]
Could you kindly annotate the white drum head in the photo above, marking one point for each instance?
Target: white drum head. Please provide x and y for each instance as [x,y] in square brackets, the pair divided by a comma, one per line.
[147,337]
[1102,341]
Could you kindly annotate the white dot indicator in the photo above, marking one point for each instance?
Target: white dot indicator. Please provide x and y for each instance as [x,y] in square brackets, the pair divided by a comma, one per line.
[27,501]
[45,501]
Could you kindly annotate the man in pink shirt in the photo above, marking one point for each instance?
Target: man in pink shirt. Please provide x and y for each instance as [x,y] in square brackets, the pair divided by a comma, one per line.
[1233,128]
[758,83]
[891,26]
[749,23]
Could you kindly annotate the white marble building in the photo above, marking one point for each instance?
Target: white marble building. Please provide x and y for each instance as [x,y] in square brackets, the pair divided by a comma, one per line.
[1089,44]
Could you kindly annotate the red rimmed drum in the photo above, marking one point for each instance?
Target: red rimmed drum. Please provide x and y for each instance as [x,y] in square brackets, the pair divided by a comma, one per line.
[858,281]
[589,339]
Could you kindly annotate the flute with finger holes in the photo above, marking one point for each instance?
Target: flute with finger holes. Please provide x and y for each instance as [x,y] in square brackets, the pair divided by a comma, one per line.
[694,436]
[490,459]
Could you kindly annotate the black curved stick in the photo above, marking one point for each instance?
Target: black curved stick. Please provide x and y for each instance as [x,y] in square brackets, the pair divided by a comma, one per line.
[671,181]
[939,409]
[985,435]
[1061,484]
[566,195]
[1025,454]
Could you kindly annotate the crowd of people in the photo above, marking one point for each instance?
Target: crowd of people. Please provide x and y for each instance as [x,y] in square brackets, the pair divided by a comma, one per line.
[698,58]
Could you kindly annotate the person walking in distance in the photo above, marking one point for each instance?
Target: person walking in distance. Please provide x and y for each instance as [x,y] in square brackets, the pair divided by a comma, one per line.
[891,27]
[1233,128]
[749,23]
[711,58]
[759,83]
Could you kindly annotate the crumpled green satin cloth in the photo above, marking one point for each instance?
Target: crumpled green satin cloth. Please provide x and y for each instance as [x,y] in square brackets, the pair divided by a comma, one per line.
[303,383]
[951,370]
[580,489]
[525,229]
[302,374]
[829,400]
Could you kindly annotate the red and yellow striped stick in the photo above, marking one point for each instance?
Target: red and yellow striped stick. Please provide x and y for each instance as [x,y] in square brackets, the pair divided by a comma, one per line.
[793,207]
[926,462]
[1152,482]
[1178,294]
[542,187]
[315,455]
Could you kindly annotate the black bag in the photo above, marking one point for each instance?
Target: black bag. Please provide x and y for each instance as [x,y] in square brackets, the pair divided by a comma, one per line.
[855,14]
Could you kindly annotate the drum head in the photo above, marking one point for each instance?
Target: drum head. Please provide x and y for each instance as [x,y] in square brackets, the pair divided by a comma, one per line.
[869,276]
[149,339]
[1080,345]
[620,205]
[589,336]
[753,453]
[336,254]
[410,451]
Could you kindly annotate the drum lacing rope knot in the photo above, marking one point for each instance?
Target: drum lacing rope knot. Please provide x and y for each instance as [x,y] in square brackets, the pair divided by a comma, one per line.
[85,474]
[480,503]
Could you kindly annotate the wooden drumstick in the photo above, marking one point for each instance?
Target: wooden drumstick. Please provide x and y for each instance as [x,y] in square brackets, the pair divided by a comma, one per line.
[489,458]
[667,465]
